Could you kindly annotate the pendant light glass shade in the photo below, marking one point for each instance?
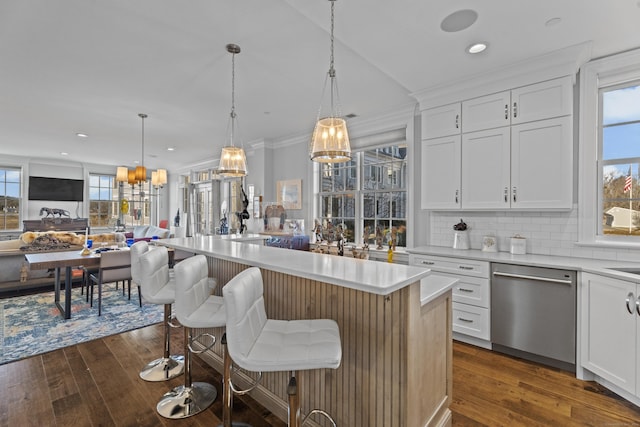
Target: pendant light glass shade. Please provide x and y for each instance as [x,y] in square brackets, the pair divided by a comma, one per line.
[159,177]
[131,178]
[233,162]
[330,142]
[330,139]
[122,174]
[141,173]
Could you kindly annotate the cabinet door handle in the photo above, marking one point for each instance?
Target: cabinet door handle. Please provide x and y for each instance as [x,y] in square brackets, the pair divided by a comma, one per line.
[464,267]
[428,262]
[628,300]
[506,111]
[456,198]
[638,305]
[462,319]
[457,121]
[515,109]
[514,194]
[471,291]
[506,194]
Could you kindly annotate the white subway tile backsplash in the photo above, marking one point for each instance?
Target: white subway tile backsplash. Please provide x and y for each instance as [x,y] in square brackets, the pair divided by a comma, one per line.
[547,233]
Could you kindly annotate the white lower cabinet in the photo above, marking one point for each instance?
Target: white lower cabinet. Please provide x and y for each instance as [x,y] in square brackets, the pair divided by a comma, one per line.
[611,331]
[471,295]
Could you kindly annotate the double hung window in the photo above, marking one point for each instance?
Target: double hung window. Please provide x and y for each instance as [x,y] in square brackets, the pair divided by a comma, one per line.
[103,200]
[619,159]
[366,198]
[609,193]
[10,198]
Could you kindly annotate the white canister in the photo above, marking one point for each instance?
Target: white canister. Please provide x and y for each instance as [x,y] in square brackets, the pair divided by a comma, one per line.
[460,239]
[518,245]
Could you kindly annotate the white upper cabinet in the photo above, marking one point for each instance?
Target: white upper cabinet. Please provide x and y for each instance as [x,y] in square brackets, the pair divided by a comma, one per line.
[441,121]
[540,101]
[542,164]
[486,112]
[515,150]
[553,98]
[441,173]
[486,169]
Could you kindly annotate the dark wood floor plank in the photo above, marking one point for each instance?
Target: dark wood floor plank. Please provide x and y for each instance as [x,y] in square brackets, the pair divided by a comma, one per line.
[124,403]
[92,400]
[66,400]
[26,387]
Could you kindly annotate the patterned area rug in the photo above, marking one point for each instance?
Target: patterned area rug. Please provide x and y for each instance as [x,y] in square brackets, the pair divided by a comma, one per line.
[32,324]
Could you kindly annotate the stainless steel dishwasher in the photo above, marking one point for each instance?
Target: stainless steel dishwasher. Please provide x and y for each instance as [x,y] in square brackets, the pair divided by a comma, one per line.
[533,313]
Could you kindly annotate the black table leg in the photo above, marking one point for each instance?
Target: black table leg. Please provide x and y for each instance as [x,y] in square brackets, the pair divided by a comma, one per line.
[66,310]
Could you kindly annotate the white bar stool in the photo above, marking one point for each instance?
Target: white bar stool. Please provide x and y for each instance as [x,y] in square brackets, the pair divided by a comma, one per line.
[195,308]
[157,288]
[256,343]
[137,250]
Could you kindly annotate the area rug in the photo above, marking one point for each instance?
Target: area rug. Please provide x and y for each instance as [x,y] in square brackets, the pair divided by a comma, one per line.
[32,324]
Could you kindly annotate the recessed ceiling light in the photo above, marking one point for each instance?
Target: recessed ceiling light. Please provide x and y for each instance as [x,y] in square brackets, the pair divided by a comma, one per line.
[170,149]
[477,47]
[82,135]
[64,153]
[459,20]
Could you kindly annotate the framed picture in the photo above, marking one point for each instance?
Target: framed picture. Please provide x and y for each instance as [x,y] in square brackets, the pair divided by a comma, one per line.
[289,193]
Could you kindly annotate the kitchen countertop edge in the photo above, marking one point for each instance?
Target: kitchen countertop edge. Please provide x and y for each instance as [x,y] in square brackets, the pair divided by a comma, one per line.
[588,265]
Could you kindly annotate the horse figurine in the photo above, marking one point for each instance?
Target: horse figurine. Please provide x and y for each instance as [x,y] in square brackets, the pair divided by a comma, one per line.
[53,212]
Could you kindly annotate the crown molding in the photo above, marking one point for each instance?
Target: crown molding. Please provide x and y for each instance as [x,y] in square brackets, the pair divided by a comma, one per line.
[549,66]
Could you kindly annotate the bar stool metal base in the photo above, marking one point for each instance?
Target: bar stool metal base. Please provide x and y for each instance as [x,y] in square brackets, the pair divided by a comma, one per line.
[183,402]
[163,369]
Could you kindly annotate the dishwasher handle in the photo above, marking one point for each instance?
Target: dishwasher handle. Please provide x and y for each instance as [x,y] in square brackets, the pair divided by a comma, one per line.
[525,276]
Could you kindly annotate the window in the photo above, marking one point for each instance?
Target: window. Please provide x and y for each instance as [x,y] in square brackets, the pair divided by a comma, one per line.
[619,157]
[10,198]
[610,151]
[103,200]
[366,197]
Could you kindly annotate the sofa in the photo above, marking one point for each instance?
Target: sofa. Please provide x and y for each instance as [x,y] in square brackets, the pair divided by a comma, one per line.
[297,242]
[13,264]
[147,232]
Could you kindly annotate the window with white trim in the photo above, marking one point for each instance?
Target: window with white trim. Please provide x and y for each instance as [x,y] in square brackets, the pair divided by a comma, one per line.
[366,197]
[10,200]
[609,197]
[103,200]
[619,156]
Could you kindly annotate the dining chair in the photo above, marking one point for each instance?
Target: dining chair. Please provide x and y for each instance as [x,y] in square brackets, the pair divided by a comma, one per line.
[114,266]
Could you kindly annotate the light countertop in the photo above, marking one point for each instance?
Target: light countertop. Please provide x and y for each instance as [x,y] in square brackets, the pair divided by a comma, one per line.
[369,276]
[598,266]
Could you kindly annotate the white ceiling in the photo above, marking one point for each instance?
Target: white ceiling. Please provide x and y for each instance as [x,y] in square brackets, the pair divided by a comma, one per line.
[91,66]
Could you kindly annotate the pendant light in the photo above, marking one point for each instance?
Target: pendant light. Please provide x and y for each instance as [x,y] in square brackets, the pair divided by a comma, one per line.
[330,140]
[233,162]
[141,171]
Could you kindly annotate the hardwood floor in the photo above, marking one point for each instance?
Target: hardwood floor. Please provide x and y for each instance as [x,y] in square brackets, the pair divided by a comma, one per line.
[97,384]
[491,389]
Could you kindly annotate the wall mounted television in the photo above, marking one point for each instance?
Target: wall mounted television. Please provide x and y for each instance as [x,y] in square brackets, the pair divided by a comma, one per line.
[56,189]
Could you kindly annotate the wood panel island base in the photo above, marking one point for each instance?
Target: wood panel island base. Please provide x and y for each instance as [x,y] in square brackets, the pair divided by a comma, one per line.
[396,347]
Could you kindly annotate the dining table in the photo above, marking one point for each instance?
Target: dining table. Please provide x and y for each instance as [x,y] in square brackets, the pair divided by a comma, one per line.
[57,261]
[68,260]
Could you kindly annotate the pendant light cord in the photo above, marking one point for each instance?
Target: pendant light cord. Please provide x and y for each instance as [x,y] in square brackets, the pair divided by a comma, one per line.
[233,96]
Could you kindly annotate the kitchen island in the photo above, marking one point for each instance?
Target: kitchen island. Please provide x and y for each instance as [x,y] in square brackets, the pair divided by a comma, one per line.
[395,327]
